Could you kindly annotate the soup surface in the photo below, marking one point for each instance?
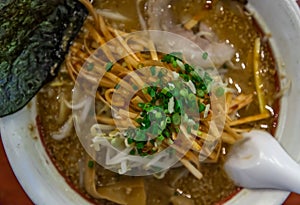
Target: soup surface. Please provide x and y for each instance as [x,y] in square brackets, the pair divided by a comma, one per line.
[233,25]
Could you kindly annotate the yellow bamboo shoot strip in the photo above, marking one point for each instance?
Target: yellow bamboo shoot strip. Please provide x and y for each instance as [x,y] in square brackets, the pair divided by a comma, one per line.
[241,130]
[257,77]
[249,119]
[230,131]
[106,120]
[191,23]
[188,154]
[106,83]
[136,100]
[228,98]
[191,168]
[240,102]
[153,51]
[191,156]
[211,155]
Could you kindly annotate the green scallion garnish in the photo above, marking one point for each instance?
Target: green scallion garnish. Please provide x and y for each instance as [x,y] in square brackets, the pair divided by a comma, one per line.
[220,91]
[108,66]
[90,67]
[153,70]
[90,164]
[160,138]
[205,56]
[176,118]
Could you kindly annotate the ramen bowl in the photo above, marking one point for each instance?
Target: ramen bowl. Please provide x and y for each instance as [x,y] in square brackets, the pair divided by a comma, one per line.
[45,185]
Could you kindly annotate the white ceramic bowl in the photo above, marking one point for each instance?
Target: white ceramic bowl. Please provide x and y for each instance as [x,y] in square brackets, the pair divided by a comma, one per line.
[46,186]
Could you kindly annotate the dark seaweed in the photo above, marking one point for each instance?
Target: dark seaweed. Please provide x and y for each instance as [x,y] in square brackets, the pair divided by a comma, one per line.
[34,38]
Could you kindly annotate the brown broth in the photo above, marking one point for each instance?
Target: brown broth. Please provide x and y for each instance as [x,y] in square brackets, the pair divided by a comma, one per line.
[215,185]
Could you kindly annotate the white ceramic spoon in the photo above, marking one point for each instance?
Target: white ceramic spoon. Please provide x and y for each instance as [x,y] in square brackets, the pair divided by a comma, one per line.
[259,161]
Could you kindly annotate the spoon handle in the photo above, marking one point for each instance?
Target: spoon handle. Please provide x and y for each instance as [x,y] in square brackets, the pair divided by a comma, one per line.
[259,161]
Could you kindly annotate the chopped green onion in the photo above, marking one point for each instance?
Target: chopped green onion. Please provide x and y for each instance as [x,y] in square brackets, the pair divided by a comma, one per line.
[90,66]
[207,78]
[158,115]
[176,118]
[108,66]
[117,86]
[140,136]
[168,119]
[163,124]
[170,141]
[191,97]
[156,129]
[166,133]
[183,92]
[185,77]
[135,87]
[189,129]
[140,145]
[139,120]
[140,66]
[116,142]
[132,152]
[160,138]
[174,63]
[141,105]
[195,126]
[177,106]
[165,90]
[171,86]
[200,93]
[205,56]
[180,64]
[201,107]
[175,93]
[151,92]
[130,140]
[220,91]
[185,117]
[153,70]
[171,104]
[166,58]
[146,123]
[160,74]
[145,90]
[90,164]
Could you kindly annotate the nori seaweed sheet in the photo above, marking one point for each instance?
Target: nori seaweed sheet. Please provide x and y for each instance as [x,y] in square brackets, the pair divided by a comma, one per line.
[34,38]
